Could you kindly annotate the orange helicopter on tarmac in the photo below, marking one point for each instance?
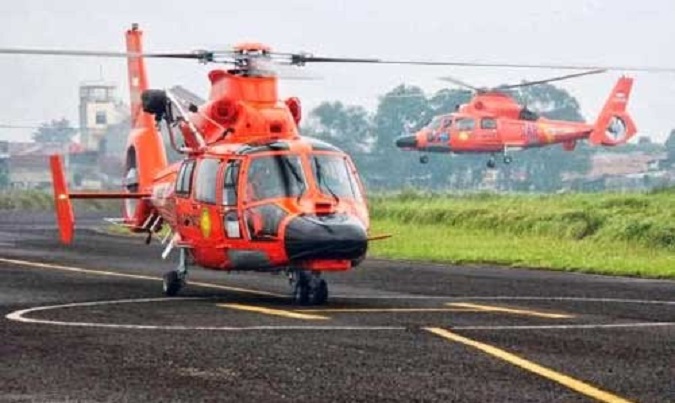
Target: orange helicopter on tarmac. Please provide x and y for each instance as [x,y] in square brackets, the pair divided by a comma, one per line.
[251,193]
[493,122]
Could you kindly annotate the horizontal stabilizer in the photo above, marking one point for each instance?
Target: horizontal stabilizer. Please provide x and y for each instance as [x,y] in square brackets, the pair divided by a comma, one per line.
[62,199]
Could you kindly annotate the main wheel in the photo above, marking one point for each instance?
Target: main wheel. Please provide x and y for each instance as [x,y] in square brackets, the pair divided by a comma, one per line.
[318,295]
[301,293]
[424,159]
[171,283]
[491,163]
[508,159]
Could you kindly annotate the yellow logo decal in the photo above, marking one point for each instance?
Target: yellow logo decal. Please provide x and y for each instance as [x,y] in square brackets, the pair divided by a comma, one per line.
[205,223]
[464,136]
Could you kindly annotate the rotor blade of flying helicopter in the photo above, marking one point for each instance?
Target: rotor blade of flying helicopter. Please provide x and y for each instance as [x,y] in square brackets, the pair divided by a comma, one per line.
[550,80]
[461,83]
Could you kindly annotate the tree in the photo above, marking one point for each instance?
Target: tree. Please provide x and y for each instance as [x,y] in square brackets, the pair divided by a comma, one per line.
[670,146]
[549,101]
[400,111]
[56,131]
[347,127]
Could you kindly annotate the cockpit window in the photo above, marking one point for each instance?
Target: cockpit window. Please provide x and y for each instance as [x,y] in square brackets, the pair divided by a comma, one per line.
[275,176]
[465,124]
[435,123]
[334,177]
[447,123]
[230,183]
[205,187]
[488,123]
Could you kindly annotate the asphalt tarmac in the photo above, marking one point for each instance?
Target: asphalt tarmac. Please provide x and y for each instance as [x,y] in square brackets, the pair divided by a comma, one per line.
[88,322]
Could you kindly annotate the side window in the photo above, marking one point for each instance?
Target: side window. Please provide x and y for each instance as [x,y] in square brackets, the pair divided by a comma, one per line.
[465,124]
[184,181]
[448,123]
[488,123]
[207,174]
[230,183]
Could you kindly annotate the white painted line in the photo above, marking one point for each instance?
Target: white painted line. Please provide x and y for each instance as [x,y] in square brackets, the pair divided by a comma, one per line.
[20,316]
[132,276]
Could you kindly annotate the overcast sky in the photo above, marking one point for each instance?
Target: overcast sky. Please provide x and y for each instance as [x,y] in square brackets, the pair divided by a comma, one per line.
[618,32]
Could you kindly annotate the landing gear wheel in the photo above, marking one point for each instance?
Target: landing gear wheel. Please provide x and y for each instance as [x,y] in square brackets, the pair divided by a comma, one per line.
[424,159]
[308,288]
[171,283]
[301,293]
[318,294]
[491,163]
[508,159]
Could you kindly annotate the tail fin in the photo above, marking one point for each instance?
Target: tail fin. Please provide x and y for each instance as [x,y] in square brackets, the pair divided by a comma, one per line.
[62,205]
[138,80]
[614,125]
[145,155]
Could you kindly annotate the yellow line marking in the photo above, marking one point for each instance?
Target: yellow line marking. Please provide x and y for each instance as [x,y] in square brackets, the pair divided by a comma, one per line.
[274,312]
[567,381]
[515,311]
[385,310]
[80,270]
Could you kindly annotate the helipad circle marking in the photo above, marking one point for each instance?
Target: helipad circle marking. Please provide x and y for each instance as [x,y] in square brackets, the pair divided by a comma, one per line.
[20,316]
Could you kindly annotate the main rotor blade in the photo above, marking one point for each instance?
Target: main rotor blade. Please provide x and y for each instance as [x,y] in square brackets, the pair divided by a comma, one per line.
[302,58]
[198,55]
[550,80]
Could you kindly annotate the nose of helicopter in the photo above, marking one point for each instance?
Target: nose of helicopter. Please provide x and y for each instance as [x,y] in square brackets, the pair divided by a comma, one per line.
[409,141]
[325,237]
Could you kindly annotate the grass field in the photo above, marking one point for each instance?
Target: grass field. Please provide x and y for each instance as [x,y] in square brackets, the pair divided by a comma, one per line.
[621,234]
[27,200]
[625,234]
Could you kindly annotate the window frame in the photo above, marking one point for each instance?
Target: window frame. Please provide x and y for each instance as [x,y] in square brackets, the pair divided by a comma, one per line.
[228,165]
[180,179]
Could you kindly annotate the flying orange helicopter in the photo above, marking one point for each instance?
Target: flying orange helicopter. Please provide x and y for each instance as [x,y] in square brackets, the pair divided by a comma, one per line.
[251,193]
[493,122]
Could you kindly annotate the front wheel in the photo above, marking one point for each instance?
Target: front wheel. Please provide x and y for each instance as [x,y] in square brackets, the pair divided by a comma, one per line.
[171,283]
[318,294]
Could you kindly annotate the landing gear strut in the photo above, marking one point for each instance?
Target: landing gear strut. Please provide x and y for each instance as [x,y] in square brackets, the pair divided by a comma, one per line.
[491,162]
[174,280]
[308,287]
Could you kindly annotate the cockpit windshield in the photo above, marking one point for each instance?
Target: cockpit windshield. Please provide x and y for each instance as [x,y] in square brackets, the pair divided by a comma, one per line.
[275,176]
[334,176]
[435,123]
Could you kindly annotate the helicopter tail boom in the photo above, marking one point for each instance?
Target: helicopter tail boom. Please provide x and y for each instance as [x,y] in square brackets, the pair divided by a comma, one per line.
[62,199]
[614,125]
